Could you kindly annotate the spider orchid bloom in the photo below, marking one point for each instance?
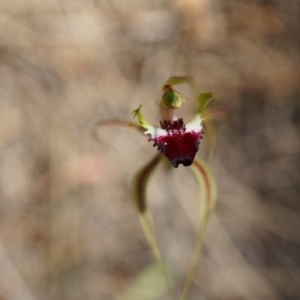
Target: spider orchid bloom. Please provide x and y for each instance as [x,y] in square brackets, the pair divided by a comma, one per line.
[177,140]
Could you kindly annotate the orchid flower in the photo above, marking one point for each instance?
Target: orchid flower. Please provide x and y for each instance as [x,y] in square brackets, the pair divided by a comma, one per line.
[179,142]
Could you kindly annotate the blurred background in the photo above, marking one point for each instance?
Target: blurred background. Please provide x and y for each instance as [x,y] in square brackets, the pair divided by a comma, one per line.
[68,229]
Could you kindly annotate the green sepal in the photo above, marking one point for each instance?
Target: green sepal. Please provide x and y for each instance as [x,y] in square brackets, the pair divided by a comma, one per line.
[208,196]
[140,182]
[177,80]
[139,186]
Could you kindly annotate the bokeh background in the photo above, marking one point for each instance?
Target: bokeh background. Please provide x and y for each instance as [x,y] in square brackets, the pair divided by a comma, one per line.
[68,229]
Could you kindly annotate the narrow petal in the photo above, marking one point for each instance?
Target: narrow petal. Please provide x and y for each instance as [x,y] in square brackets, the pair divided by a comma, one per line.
[149,129]
[142,121]
[111,122]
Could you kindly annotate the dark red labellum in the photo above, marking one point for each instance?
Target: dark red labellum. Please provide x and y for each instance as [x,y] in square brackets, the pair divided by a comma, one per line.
[179,146]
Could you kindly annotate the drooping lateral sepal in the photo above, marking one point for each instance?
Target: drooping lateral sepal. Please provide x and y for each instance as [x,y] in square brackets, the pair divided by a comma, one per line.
[139,186]
[208,196]
[140,182]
